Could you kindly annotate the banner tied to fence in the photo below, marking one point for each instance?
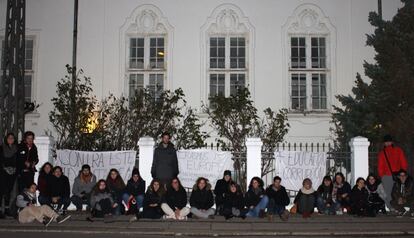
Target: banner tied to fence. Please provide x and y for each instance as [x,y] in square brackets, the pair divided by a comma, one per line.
[210,164]
[294,166]
[101,162]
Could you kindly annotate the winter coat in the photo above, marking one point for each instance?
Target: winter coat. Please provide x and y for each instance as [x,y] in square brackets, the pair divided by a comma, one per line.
[405,191]
[165,163]
[43,184]
[135,188]
[233,200]
[221,188]
[202,199]
[252,198]
[303,192]
[115,189]
[377,190]
[59,187]
[8,161]
[79,186]
[345,189]
[25,198]
[396,159]
[96,197]
[23,155]
[325,193]
[176,199]
[359,200]
[280,196]
[152,198]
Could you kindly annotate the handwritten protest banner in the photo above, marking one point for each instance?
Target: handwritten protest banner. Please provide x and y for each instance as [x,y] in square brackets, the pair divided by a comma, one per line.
[101,162]
[294,166]
[210,164]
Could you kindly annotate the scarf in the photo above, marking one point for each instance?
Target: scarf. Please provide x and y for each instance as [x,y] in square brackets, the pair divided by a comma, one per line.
[372,187]
[335,190]
[85,179]
[307,191]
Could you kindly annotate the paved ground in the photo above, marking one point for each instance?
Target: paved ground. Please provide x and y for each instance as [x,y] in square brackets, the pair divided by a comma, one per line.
[317,226]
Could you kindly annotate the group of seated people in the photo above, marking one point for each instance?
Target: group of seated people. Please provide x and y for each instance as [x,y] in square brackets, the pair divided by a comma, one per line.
[112,197]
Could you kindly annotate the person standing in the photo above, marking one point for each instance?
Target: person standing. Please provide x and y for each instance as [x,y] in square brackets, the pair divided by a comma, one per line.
[8,158]
[27,158]
[391,159]
[165,163]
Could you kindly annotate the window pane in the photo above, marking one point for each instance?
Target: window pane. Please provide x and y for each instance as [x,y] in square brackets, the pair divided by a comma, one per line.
[156,85]
[298,91]
[298,52]
[319,91]
[28,63]
[28,88]
[136,84]
[237,52]
[237,82]
[318,52]
[217,52]
[217,85]
[157,53]
[136,53]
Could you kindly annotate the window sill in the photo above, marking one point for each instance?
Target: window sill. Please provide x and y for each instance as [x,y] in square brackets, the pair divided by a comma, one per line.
[313,114]
[32,115]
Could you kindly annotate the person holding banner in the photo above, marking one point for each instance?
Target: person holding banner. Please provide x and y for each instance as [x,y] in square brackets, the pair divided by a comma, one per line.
[256,199]
[27,159]
[82,187]
[278,200]
[391,159]
[165,162]
[201,199]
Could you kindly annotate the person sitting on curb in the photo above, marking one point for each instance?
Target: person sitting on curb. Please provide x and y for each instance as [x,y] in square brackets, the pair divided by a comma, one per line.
[28,211]
[403,194]
[278,200]
[305,200]
[82,187]
[233,203]
[175,201]
[256,199]
[201,199]
[324,201]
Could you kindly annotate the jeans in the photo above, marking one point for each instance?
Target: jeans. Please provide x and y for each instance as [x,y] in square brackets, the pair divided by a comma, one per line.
[273,208]
[260,206]
[323,208]
[139,199]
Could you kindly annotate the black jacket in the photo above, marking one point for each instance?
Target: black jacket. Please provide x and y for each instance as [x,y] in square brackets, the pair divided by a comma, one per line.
[300,194]
[405,191]
[346,188]
[23,155]
[359,199]
[280,196]
[252,199]
[221,188]
[135,188]
[325,193]
[176,199]
[59,187]
[152,198]
[235,200]
[7,161]
[165,163]
[202,199]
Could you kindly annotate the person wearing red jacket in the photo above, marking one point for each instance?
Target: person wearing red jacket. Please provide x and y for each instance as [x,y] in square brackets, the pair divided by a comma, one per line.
[391,159]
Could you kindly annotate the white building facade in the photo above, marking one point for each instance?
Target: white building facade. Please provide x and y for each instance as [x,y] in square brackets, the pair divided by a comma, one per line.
[295,54]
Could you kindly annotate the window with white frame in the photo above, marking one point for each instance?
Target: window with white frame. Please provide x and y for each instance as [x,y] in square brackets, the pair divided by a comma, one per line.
[308,73]
[146,66]
[227,71]
[28,65]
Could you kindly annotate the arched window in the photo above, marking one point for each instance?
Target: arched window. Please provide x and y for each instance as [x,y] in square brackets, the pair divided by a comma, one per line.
[309,55]
[227,43]
[146,48]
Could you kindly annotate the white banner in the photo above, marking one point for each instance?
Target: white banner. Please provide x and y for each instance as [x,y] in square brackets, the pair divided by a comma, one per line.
[210,164]
[101,162]
[294,166]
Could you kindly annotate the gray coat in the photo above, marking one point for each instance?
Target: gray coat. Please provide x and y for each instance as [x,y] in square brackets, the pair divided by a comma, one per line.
[79,187]
[165,163]
[96,197]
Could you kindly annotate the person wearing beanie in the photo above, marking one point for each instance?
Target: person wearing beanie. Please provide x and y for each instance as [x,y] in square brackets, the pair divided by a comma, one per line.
[135,191]
[391,159]
[82,187]
[220,190]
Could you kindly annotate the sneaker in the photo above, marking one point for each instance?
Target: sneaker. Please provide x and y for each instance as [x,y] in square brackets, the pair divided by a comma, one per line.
[285,215]
[47,221]
[133,219]
[62,218]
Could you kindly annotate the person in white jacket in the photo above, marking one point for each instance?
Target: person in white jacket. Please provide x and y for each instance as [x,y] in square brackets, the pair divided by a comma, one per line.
[28,211]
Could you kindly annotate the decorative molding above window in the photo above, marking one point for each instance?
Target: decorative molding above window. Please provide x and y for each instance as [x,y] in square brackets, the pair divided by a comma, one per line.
[226,20]
[144,21]
[308,22]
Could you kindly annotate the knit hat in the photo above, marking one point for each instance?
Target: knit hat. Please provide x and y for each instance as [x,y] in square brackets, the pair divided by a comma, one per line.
[227,172]
[388,138]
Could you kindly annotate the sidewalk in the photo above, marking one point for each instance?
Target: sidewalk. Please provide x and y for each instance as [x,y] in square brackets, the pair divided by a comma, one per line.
[317,226]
